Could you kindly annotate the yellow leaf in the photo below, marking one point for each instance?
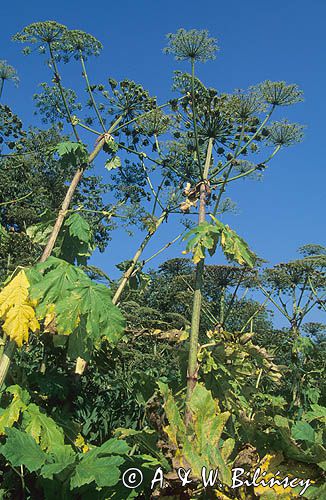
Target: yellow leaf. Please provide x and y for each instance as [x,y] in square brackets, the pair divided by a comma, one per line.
[16,311]
[80,443]
[15,293]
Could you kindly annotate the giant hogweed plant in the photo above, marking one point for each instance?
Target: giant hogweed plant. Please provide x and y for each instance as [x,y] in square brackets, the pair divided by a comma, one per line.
[180,161]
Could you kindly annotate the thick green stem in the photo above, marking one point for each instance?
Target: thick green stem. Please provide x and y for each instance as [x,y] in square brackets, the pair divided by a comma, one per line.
[194,116]
[222,304]
[197,302]
[1,86]
[135,259]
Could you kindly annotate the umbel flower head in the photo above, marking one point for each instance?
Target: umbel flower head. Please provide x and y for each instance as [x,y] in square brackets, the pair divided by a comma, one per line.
[247,104]
[195,45]
[76,43]
[42,33]
[154,123]
[279,93]
[284,133]
[8,72]
[49,103]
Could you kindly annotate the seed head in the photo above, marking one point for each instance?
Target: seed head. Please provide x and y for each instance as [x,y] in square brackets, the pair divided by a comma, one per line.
[279,93]
[284,133]
[194,45]
[8,72]
[76,42]
[41,33]
[154,123]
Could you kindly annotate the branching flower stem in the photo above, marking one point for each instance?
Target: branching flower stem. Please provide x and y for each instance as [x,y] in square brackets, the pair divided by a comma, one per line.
[228,173]
[90,92]
[127,275]
[17,199]
[57,79]
[217,171]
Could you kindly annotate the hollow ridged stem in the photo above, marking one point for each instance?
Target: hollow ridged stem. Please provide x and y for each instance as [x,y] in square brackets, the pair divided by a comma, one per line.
[197,301]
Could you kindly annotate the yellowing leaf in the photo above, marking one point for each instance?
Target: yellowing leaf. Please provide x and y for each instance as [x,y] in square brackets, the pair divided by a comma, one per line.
[12,413]
[16,311]
[15,293]
[80,443]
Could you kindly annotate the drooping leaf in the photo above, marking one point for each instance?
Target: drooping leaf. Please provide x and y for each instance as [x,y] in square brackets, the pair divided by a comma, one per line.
[11,414]
[16,310]
[206,236]
[75,298]
[234,247]
[113,163]
[202,237]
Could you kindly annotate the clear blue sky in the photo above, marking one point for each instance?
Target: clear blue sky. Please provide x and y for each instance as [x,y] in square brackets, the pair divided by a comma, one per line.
[279,40]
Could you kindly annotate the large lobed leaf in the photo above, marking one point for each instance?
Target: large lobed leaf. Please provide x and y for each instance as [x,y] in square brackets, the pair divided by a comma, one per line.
[206,236]
[16,310]
[80,307]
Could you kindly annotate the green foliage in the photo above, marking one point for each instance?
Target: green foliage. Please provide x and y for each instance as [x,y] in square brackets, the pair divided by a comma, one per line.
[21,449]
[259,389]
[81,308]
[203,444]
[71,153]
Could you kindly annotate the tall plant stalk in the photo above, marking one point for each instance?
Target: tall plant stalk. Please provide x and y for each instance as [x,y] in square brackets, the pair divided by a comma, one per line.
[197,301]
[70,193]
[126,276]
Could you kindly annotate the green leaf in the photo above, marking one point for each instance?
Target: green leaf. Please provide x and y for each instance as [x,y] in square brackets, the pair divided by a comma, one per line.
[42,428]
[79,227]
[21,449]
[3,233]
[76,296]
[202,237]
[75,240]
[50,282]
[62,457]
[92,300]
[39,233]
[72,153]
[303,431]
[317,412]
[206,236]
[176,429]
[113,163]
[101,465]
